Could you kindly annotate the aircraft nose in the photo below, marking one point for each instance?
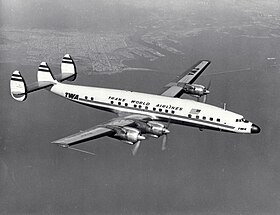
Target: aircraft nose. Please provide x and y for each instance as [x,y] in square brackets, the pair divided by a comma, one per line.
[255,129]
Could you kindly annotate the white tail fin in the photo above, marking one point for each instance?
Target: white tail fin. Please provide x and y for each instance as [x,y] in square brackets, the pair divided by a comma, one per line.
[68,69]
[18,87]
[45,78]
[44,73]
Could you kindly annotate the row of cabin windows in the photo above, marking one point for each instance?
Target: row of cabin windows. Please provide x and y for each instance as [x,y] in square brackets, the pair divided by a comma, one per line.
[91,98]
[166,111]
[204,118]
[160,110]
[146,107]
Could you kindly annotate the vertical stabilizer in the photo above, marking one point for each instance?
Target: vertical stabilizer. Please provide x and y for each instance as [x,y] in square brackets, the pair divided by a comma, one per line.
[68,69]
[18,87]
[44,73]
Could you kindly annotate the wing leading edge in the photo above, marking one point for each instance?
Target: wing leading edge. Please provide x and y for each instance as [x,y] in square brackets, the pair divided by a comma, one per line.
[175,88]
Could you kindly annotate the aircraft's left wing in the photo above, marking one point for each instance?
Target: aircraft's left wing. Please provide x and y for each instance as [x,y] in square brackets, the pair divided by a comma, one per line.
[107,129]
[175,88]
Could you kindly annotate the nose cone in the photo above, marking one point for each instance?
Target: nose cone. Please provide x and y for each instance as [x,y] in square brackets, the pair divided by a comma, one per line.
[255,129]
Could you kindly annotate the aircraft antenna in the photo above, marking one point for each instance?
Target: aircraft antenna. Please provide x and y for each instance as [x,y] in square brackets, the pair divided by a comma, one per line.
[225,106]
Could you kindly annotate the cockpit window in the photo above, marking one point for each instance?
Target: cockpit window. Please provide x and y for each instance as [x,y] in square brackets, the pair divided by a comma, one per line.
[242,120]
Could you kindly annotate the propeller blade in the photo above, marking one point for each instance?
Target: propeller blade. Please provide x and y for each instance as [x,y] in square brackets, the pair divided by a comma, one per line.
[168,123]
[209,85]
[164,141]
[204,98]
[136,147]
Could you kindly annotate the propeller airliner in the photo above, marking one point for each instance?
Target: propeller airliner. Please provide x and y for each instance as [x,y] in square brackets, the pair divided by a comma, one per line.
[139,115]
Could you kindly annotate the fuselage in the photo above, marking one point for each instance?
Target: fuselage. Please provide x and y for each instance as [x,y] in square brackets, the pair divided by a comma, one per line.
[159,108]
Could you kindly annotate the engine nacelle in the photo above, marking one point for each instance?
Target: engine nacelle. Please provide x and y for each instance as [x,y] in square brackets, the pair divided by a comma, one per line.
[128,134]
[153,128]
[195,90]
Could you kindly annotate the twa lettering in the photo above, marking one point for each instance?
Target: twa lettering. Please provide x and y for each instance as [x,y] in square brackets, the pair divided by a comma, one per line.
[71,96]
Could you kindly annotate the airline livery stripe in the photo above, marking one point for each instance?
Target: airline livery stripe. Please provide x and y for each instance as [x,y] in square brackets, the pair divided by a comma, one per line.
[16,75]
[67,62]
[159,113]
[42,65]
[43,70]
[67,58]
[14,79]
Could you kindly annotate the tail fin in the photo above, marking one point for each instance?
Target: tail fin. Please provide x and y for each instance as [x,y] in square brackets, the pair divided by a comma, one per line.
[44,73]
[45,78]
[18,87]
[68,69]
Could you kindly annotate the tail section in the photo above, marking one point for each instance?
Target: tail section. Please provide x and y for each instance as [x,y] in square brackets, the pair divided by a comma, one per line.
[45,78]
[68,69]
[18,87]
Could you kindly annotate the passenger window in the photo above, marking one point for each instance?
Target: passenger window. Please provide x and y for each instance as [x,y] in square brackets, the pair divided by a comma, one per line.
[204,118]
[146,107]
[197,117]
[112,102]
[190,116]
[86,97]
[211,119]
[140,106]
[119,103]
[160,110]
[172,111]
[218,120]
[135,106]
[125,104]
[154,109]
[166,111]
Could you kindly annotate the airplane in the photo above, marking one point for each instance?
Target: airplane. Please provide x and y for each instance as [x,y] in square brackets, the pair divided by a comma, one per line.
[139,115]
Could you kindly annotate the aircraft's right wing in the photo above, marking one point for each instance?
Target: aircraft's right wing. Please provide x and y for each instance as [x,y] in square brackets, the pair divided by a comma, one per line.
[175,88]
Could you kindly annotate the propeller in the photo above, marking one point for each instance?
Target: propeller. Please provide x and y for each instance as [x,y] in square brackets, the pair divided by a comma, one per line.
[164,139]
[136,147]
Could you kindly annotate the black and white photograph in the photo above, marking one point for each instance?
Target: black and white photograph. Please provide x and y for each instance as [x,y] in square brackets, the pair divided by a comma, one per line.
[128,107]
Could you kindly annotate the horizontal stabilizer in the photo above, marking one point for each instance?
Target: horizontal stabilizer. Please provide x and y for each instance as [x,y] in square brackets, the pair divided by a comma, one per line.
[68,69]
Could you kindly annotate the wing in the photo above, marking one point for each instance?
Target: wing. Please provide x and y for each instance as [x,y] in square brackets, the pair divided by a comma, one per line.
[175,89]
[107,129]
